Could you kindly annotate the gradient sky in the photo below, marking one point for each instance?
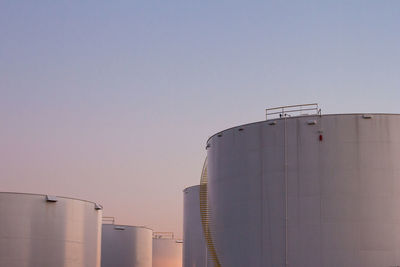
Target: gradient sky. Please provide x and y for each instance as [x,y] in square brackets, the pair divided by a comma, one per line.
[113,101]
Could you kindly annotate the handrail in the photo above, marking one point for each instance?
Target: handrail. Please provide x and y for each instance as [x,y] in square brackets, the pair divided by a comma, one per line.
[284,111]
[163,235]
[108,220]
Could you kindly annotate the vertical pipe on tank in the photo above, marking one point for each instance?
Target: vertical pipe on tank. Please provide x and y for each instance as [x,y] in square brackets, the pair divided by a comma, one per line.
[262,199]
[286,190]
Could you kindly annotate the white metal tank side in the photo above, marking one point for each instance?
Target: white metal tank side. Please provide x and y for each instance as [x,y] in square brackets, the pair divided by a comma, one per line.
[308,191]
[40,231]
[194,244]
[167,252]
[126,246]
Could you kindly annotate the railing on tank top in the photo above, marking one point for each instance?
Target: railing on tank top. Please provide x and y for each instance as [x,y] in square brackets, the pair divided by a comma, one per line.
[166,235]
[163,235]
[287,111]
[108,220]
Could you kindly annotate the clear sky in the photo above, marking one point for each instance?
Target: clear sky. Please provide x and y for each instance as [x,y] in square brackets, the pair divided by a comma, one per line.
[113,101]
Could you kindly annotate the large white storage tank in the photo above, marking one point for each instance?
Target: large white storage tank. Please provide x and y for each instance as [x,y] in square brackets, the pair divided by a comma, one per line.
[167,251]
[307,191]
[48,231]
[194,245]
[126,246]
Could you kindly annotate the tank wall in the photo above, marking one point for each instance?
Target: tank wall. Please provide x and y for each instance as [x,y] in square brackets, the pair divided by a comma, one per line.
[194,245]
[130,247]
[167,253]
[37,233]
[341,194]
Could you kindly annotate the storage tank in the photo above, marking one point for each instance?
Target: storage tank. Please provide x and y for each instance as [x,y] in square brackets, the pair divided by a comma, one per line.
[167,251]
[306,191]
[194,245]
[126,246]
[49,231]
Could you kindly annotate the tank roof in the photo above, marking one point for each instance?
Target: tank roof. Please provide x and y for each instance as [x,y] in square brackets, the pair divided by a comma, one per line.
[129,226]
[301,116]
[44,195]
[191,187]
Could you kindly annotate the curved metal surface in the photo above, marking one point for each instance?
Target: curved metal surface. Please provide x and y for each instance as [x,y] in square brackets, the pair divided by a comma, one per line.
[36,231]
[338,206]
[194,244]
[167,252]
[126,246]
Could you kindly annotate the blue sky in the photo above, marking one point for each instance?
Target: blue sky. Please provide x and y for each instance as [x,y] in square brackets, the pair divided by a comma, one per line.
[113,100]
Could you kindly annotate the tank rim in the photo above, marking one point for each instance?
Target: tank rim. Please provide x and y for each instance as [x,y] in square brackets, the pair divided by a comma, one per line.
[302,116]
[44,195]
[191,187]
[130,226]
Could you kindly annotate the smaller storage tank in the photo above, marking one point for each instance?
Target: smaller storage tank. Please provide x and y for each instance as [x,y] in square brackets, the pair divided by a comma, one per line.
[167,251]
[126,246]
[48,231]
[194,244]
